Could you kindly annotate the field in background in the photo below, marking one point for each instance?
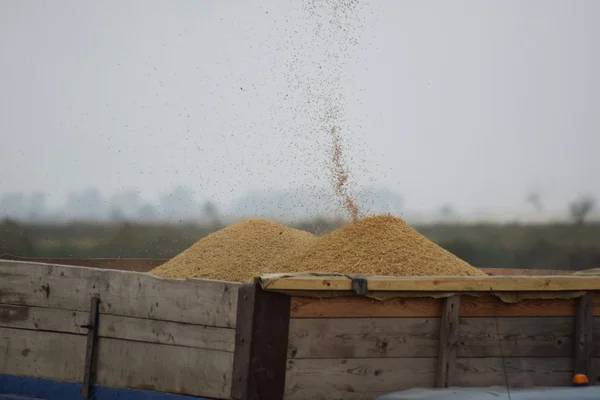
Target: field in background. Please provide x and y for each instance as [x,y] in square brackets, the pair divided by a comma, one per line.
[551,246]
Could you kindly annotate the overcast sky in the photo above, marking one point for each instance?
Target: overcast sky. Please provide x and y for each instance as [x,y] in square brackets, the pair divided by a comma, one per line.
[474,103]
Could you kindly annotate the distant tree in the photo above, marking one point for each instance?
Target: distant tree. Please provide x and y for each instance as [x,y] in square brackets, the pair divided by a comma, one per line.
[179,203]
[581,208]
[535,200]
[147,212]
[37,205]
[87,204]
[14,206]
[15,239]
[127,202]
[116,214]
[211,213]
[447,211]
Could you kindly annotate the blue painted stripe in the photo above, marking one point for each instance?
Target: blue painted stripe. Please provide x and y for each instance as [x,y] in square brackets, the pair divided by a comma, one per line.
[18,387]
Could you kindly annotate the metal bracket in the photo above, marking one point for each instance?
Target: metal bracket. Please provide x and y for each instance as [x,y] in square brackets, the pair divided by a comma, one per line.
[89,351]
[360,285]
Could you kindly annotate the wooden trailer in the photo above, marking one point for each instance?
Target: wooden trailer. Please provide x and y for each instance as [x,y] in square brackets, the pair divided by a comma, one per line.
[70,332]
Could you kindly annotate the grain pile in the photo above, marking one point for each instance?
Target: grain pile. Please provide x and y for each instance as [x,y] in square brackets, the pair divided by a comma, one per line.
[238,252]
[381,245]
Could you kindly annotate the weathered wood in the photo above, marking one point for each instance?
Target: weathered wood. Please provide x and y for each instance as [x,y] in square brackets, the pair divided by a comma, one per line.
[124,264]
[118,327]
[363,337]
[448,340]
[120,363]
[519,337]
[470,306]
[173,369]
[438,283]
[359,307]
[584,334]
[124,293]
[49,355]
[243,341]
[92,327]
[490,306]
[596,342]
[358,378]
[261,344]
[367,378]
[527,272]
[521,371]
[419,337]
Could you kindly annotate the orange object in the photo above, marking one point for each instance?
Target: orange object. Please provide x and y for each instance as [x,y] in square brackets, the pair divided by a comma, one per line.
[580,379]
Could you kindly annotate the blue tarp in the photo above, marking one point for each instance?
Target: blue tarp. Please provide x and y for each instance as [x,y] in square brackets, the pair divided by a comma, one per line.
[18,387]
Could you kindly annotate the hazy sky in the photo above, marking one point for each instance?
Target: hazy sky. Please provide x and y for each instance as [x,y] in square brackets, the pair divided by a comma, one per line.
[474,103]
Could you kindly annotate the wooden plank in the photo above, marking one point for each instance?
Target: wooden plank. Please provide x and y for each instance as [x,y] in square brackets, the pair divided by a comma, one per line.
[584,332]
[124,264]
[173,369]
[92,327]
[124,293]
[521,371]
[438,284]
[243,341]
[363,378]
[596,342]
[470,306]
[490,306]
[529,272]
[418,337]
[261,344]
[519,337]
[363,337]
[118,327]
[120,363]
[448,340]
[359,307]
[49,355]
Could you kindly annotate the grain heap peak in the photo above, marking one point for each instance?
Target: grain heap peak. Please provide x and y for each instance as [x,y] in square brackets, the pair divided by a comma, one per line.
[381,245]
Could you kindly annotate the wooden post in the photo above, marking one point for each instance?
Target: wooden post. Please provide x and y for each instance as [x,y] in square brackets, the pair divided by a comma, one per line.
[261,338]
[584,325]
[92,328]
[448,340]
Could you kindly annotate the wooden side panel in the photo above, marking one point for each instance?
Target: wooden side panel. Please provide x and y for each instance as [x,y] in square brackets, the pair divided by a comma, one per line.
[163,368]
[363,337]
[489,306]
[519,337]
[366,378]
[120,363]
[596,342]
[448,341]
[442,284]
[521,372]
[360,358]
[261,344]
[484,306]
[125,264]
[584,332]
[358,307]
[358,378]
[48,355]
[122,293]
[118,327]
[419,337]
